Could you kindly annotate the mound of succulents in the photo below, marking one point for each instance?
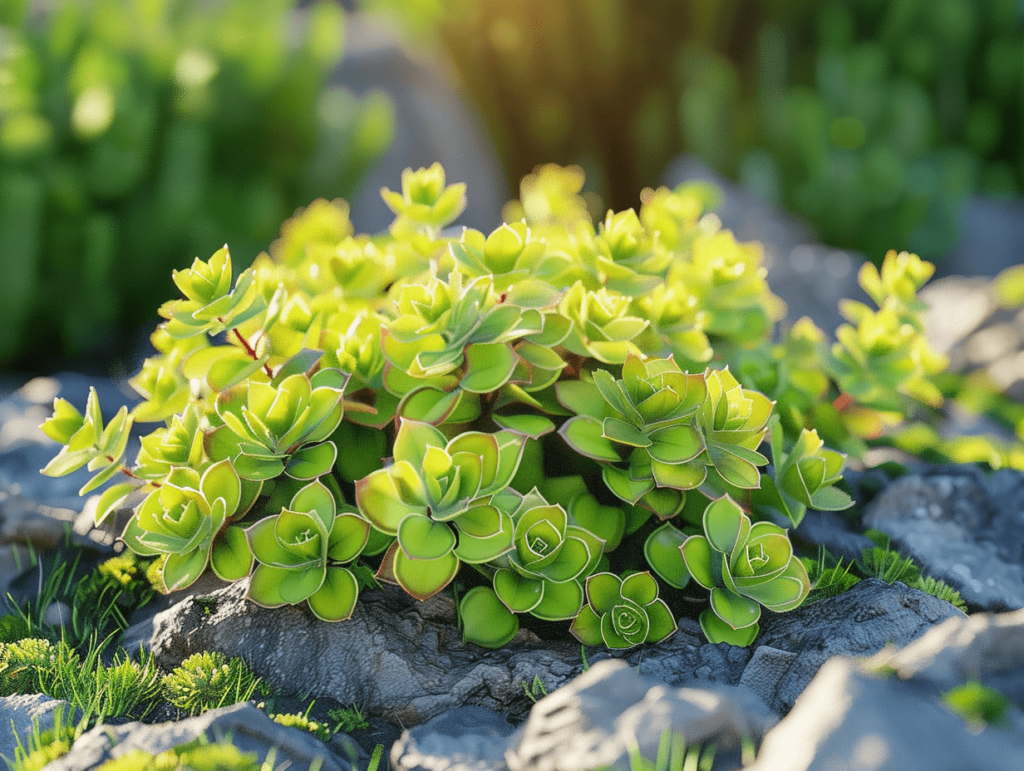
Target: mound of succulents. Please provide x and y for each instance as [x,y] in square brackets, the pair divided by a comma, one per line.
[576,423]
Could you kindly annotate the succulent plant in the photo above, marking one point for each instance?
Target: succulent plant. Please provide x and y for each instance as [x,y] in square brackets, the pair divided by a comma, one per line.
[301,553]
[186,519]
[548,421]
[623,612]
[745,565]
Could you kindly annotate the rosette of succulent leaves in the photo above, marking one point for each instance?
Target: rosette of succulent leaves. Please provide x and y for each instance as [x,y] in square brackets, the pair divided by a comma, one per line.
[578,423]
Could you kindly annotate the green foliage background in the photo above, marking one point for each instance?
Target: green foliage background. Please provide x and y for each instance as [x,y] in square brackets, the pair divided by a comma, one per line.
[872,119]
[135,135]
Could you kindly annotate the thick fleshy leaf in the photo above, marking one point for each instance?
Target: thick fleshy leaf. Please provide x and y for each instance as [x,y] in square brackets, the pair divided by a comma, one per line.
[611,638]
[379,496]
[586,436]
[679,476]
[348,538]
[312,461]
[830,499]
[625,489]
[134,538]
[641,588]
[738,612]
[221,480]
[582,398]
[181,570]
[112,498]
[561,601]
[586,627]
[607,523]
[421,578]
[519,593]
[630,621]
[413,439]
[718,631]
[317,500]
[421,538]
[725,524]
[604,591]
[476,550]
[231,557]
[734,469]
[265,547]
[265,586]
[249,467]
[676,444]
[662,624]
[624,433]
[298,585]
[485,620]
[532,426]
[697,554]
[336,598]
[661,549]
[429,405]
[489,366]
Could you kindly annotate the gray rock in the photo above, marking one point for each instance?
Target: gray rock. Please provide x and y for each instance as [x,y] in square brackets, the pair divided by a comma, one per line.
[988,648]
[991,238]
[956,531]
[832,530]
[765,670]
[849,719]
[403,660]
[248,727]
[810,277]
[462,739]
[19,713]
[593,721]
[859,622]
[398,659]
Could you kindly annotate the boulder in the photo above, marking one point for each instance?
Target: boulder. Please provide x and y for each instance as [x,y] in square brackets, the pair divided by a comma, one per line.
[247,727]
[857,623]
[461,739]
[987,648]
[848,718]
[595,720]
[404,660]
[18,715]
[960,529]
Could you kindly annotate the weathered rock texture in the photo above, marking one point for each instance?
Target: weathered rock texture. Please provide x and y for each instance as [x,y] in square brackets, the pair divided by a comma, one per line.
[593,721]
[859,622]
[962,528]
[247,727]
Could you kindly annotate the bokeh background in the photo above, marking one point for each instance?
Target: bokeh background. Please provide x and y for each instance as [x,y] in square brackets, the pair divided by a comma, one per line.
[136,135]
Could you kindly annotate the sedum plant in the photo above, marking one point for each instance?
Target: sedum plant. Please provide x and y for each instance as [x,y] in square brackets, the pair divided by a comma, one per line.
[555,421]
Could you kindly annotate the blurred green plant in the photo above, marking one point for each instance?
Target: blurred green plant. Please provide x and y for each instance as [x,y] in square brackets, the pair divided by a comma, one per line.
[872,120]
[509,408]
[134,135]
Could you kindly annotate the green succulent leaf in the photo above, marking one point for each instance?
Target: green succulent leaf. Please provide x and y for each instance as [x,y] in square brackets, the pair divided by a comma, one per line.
[335,600]
[663,554]
[586,436]
[698,555]
[561,601]
[519,593]
[231,557]
[420,578]
[486,621]
[717,631]
[736,611]
[421,538]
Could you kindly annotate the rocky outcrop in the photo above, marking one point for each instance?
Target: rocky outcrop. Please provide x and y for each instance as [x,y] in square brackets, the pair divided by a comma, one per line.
[963,528]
